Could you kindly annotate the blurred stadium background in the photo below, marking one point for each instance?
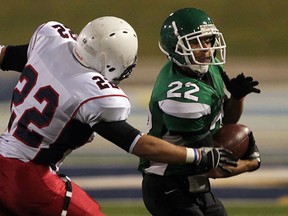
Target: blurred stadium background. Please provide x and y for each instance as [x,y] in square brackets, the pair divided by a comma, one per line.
[256,35]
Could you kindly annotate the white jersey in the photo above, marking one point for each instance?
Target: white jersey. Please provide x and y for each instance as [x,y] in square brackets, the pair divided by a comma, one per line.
[57,100]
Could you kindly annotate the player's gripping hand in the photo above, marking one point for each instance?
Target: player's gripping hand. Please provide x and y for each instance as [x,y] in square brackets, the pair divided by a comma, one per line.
[216,157]
[253,151]
[240,86]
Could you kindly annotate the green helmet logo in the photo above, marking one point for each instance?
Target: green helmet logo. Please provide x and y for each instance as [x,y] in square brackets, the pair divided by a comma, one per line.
[185,25]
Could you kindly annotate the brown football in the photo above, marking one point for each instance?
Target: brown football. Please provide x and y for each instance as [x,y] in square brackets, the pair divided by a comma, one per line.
[234,137]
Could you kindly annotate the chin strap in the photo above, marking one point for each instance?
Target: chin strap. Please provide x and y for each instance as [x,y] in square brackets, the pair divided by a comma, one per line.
[199,68]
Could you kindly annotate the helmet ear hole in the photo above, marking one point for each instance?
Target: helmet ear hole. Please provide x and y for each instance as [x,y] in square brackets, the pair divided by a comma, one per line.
[110,69]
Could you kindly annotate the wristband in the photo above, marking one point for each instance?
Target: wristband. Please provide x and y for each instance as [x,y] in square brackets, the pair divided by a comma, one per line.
[192,155]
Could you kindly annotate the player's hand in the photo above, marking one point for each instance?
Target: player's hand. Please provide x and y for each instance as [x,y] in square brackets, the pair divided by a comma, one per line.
[240,86]
[216,158]
[252,151]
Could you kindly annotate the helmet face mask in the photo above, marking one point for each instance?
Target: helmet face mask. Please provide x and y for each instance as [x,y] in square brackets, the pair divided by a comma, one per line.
[192,26]
[183,46]
[108,45]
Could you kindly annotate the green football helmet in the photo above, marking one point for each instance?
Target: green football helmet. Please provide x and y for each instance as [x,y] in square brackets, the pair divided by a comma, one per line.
[185,25]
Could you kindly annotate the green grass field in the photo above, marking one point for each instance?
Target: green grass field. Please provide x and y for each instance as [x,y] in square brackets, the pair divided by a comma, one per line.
[136,208]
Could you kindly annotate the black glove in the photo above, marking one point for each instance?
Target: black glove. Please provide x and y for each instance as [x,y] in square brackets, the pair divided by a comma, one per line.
[240,86]
[216,157]
[252,151]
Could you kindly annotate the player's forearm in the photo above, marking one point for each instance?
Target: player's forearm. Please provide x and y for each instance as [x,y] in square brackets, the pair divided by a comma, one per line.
[145,146]
[242,167]
[233,110]
[152,148]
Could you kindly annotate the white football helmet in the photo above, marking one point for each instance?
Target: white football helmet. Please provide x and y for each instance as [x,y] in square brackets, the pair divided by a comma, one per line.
[108,45]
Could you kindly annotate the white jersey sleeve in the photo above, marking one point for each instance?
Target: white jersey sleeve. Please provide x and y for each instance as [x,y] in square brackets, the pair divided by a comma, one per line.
[107,102]
[109,109]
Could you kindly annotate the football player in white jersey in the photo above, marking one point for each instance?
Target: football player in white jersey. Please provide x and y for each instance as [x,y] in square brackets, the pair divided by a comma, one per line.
[67,91]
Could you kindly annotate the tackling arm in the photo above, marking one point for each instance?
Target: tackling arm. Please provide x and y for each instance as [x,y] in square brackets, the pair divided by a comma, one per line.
[151,148]
[145,146]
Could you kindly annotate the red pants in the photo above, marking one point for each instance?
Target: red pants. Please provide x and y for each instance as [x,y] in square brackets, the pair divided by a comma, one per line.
[28,189]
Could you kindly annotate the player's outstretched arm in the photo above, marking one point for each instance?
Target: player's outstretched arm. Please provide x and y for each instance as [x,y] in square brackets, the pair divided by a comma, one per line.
[155,149]
[151,148]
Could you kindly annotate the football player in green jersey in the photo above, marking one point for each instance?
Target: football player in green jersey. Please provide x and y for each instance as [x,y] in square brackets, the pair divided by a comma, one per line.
[187,106]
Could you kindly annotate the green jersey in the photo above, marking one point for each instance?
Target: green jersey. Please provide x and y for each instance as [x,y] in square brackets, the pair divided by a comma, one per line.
[183,110]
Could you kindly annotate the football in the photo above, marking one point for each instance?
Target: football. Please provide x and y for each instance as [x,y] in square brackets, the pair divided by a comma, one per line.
[234,137]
